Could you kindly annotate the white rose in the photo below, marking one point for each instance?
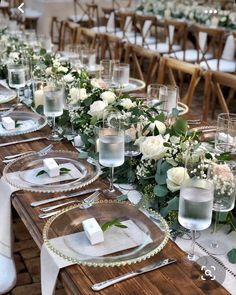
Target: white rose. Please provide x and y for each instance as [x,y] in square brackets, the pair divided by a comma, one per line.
[14,55]
[78,94]
[62,69]
[127,103]
[175,177]
[97,109]
[152,147]
[68,78]
[48,71]
[161,127]
[108,96]
[56,64]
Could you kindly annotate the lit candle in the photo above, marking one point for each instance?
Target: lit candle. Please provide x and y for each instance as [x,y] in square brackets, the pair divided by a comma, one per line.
[38,97]
[214,22]
[97,145]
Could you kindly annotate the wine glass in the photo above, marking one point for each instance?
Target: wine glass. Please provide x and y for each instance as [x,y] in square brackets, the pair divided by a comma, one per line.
[111,152]
[223,175]
[121,75]
[17,77]
[156,93]
[195,201]
[53,104]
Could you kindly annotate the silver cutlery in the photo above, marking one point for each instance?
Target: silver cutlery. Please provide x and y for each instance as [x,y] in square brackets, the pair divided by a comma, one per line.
[23,140]
[131,274]
[77,194]
[41,152]
[93,197]
[194,121]
[87,203]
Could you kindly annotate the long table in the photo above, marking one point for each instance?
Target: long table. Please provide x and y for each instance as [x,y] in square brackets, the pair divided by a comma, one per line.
[179,278]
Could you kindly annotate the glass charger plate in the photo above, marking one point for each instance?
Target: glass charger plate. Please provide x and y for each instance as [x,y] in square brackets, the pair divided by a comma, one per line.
[22,173]
[27,122]
[6,94]
[134,85]
[67,225]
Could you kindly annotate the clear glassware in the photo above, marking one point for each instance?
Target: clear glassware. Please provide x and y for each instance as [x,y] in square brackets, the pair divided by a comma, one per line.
[111,152]
[156,93]
[121,75]
[195,201]
[169,100]
[72,106]
[17,77]
[89,57]
[106,72]
[225,136]
[53,104]
[223,175]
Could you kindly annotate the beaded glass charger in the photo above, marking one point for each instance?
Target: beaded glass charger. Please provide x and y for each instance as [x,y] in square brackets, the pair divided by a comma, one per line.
[25,122]
[145,235]
[134,85]
[25,172]
[6,94]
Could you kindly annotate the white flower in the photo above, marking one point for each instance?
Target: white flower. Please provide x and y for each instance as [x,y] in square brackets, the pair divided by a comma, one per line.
[161,127]
[14,55]
[175,177]
[127,103]
[152,147]
[78,94]
[56,64]
[68,78]
[97,109]
[108,97]
[48,71]
[62,69]
[98,83]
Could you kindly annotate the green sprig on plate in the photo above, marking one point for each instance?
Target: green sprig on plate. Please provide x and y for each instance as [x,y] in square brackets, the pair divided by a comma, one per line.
[114,222]
[63,171]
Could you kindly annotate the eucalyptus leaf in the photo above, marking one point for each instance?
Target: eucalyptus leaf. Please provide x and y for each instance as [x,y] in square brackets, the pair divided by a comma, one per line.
[232,256]
[41,172]
[173,205]
[114,222]
[160,190]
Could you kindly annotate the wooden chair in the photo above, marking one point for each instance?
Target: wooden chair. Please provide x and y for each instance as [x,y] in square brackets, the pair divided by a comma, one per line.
[88,38]
[69,34]
[172,71]
[142,61]
[55,31]
[112,47]
[214,81]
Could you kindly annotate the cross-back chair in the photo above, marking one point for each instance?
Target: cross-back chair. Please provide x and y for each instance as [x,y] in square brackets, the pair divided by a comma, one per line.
[69,34]
[142,61]
[88,38]
[111,46]
[220,85]
[172,71]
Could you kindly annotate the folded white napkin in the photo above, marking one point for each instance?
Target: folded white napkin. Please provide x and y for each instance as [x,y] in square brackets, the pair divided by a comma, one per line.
[74,245]
[7,265]
[24,126]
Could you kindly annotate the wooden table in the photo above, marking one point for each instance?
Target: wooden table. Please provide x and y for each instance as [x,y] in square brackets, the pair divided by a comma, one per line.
[179,278]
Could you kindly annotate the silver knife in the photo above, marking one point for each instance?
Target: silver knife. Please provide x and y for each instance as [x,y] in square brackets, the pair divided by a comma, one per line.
[77,194]
[153,266]
[22,141]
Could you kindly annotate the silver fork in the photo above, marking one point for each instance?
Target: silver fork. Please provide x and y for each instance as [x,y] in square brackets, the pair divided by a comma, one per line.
[41,152]
[86,203]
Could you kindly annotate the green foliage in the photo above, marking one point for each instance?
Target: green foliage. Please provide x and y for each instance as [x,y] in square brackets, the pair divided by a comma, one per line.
[232,256]
[114,222]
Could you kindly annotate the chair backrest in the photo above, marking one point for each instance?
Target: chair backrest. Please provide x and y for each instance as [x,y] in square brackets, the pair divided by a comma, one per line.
[208,40]
[142,61]
[229,48]
[176,33]
[93,13]
[55,31]
[111,47]
[214,81]
[127,21]
[87,37]
[146,23]
[172,71]
[69,34]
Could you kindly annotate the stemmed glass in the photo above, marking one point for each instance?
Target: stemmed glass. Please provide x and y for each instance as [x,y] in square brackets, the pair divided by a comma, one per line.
[223,175]
[53,104]
[156,93]
[17,77]
[195,201]
[121,75]
[111,151]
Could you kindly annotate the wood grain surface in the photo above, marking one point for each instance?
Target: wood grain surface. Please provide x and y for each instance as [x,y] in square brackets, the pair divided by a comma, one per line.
[178,278]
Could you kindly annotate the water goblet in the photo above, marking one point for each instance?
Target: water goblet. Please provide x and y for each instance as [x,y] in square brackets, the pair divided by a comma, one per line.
[121,75]
[17,77]
[53,104]
[223,175]
[156,95]
[169,99]
[195,201]
[111,152]
[88,57]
